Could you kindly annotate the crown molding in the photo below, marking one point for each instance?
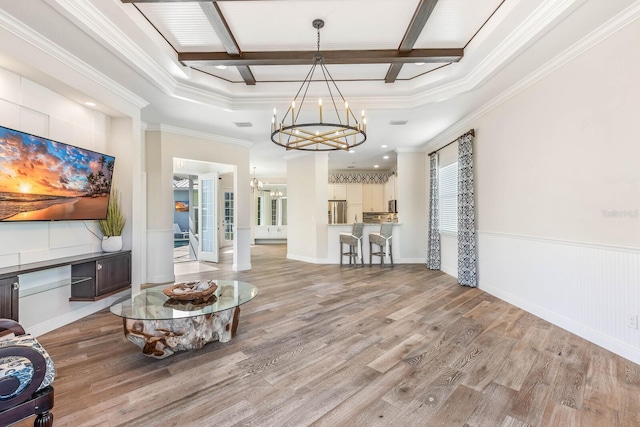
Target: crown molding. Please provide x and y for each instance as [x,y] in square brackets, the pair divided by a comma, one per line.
[22,31]
[596,36]
[194,94]
[95,21]
[539,20]
[198,134]
[544,15]
[535,24]
[409,149]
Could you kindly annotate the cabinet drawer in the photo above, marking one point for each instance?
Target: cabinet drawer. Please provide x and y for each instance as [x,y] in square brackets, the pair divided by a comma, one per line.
[113,273]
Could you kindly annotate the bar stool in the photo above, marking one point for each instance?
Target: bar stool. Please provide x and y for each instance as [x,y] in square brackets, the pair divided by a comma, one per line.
[383,240]
[354,240]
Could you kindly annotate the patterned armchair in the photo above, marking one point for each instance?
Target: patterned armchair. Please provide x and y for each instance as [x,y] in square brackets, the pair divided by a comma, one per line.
[26,375]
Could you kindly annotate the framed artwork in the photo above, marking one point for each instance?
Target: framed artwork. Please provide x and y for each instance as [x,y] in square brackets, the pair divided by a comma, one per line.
[182,206]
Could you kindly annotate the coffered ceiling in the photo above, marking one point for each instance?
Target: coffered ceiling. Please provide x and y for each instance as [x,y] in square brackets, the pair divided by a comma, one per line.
[220,67]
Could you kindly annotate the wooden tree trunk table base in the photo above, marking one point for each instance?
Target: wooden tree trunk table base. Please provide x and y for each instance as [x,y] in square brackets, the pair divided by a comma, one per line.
[162,338]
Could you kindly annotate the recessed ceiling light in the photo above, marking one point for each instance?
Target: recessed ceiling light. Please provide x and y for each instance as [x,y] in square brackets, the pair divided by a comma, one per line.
[385,157]
[352,151]
[383,146]
[221,67]
[419,63]
[90,104]
[398,122]
[243,124]
[376,166]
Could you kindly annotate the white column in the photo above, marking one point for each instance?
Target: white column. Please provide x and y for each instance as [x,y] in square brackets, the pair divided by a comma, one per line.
[412,211]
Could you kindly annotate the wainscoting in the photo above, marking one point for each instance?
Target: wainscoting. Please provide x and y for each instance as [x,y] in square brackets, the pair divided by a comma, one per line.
[590,290]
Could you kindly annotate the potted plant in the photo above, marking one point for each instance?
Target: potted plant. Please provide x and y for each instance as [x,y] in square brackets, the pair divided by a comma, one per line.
[112,226]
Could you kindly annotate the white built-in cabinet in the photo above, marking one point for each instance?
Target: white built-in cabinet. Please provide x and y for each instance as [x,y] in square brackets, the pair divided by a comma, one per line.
[270,232]
[373,199]
[363,197]
[338,191]
[390,188]
[354,203]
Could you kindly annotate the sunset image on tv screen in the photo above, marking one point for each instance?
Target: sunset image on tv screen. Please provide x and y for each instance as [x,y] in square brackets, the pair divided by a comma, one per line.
[42,179]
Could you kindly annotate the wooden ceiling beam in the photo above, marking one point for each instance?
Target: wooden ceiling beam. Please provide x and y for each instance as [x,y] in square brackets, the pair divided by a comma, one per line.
[330,57]
[221,28]
[173,1]
[418,21]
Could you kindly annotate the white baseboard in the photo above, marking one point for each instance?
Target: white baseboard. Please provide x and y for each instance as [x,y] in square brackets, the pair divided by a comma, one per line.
[450,270]
[310,260]
[161,279]
[589,289]
[609,343]
[72,316]
[241,267]
[410,261]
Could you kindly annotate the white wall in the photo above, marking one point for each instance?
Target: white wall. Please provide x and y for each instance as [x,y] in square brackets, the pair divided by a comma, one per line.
[413,207]
[161,147]
[32,108]
[558,195]
[307,194]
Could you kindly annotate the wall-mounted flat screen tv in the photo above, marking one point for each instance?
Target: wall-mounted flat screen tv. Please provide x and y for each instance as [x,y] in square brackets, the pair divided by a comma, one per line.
[45,180]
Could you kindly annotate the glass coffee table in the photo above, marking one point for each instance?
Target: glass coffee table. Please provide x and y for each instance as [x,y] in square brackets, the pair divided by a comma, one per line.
[160,325]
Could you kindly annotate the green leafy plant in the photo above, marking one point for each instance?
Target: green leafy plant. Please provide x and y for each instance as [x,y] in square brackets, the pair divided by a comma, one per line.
[114,223]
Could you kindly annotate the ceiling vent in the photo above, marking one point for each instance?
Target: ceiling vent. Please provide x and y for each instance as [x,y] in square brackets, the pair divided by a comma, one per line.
[398,122]
[243,124]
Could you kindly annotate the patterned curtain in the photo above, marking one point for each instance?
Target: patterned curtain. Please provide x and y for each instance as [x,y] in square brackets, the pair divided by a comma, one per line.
[433,245]
[467,271]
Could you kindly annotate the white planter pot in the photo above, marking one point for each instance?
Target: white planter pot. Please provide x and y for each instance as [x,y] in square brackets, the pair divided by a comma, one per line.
[111,243]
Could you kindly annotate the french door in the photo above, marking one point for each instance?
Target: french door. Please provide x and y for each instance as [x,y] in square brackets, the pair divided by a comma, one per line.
[208,217]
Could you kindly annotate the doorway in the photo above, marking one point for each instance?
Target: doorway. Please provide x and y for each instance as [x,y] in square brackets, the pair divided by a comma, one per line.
[205,191]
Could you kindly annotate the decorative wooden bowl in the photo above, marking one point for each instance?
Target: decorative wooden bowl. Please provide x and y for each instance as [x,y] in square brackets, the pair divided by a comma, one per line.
[190,291]
[196,304]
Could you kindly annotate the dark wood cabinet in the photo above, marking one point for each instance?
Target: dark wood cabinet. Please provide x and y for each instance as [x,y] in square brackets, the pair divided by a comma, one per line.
[9,298]
[101,277]
[93,276]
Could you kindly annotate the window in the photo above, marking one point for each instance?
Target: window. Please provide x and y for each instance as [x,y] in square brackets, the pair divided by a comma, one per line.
[228,215]
[260,202]
[448,192]
[274,212]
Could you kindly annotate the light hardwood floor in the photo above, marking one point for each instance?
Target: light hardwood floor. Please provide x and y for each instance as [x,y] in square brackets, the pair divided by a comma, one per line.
[330,346]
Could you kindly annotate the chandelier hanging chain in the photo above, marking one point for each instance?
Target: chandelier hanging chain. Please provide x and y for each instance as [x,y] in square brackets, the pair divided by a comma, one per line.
[320,135]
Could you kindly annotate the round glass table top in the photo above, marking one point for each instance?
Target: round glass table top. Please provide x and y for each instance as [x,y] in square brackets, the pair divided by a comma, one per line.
[153,304]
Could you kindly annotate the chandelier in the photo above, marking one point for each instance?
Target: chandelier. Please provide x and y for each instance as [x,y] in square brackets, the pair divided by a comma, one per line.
[341,131]
[254,183]
[276,194]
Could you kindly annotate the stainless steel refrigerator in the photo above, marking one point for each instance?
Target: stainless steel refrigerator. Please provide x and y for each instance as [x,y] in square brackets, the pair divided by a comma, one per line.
[337,211]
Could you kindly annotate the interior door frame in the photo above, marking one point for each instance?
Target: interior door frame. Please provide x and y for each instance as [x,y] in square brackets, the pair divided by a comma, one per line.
[208,223]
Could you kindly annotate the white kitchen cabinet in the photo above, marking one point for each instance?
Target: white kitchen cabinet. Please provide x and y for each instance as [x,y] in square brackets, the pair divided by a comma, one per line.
[373,198]
[270,232]
[390,188]
[337,191]
[354,210]
[354,195]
